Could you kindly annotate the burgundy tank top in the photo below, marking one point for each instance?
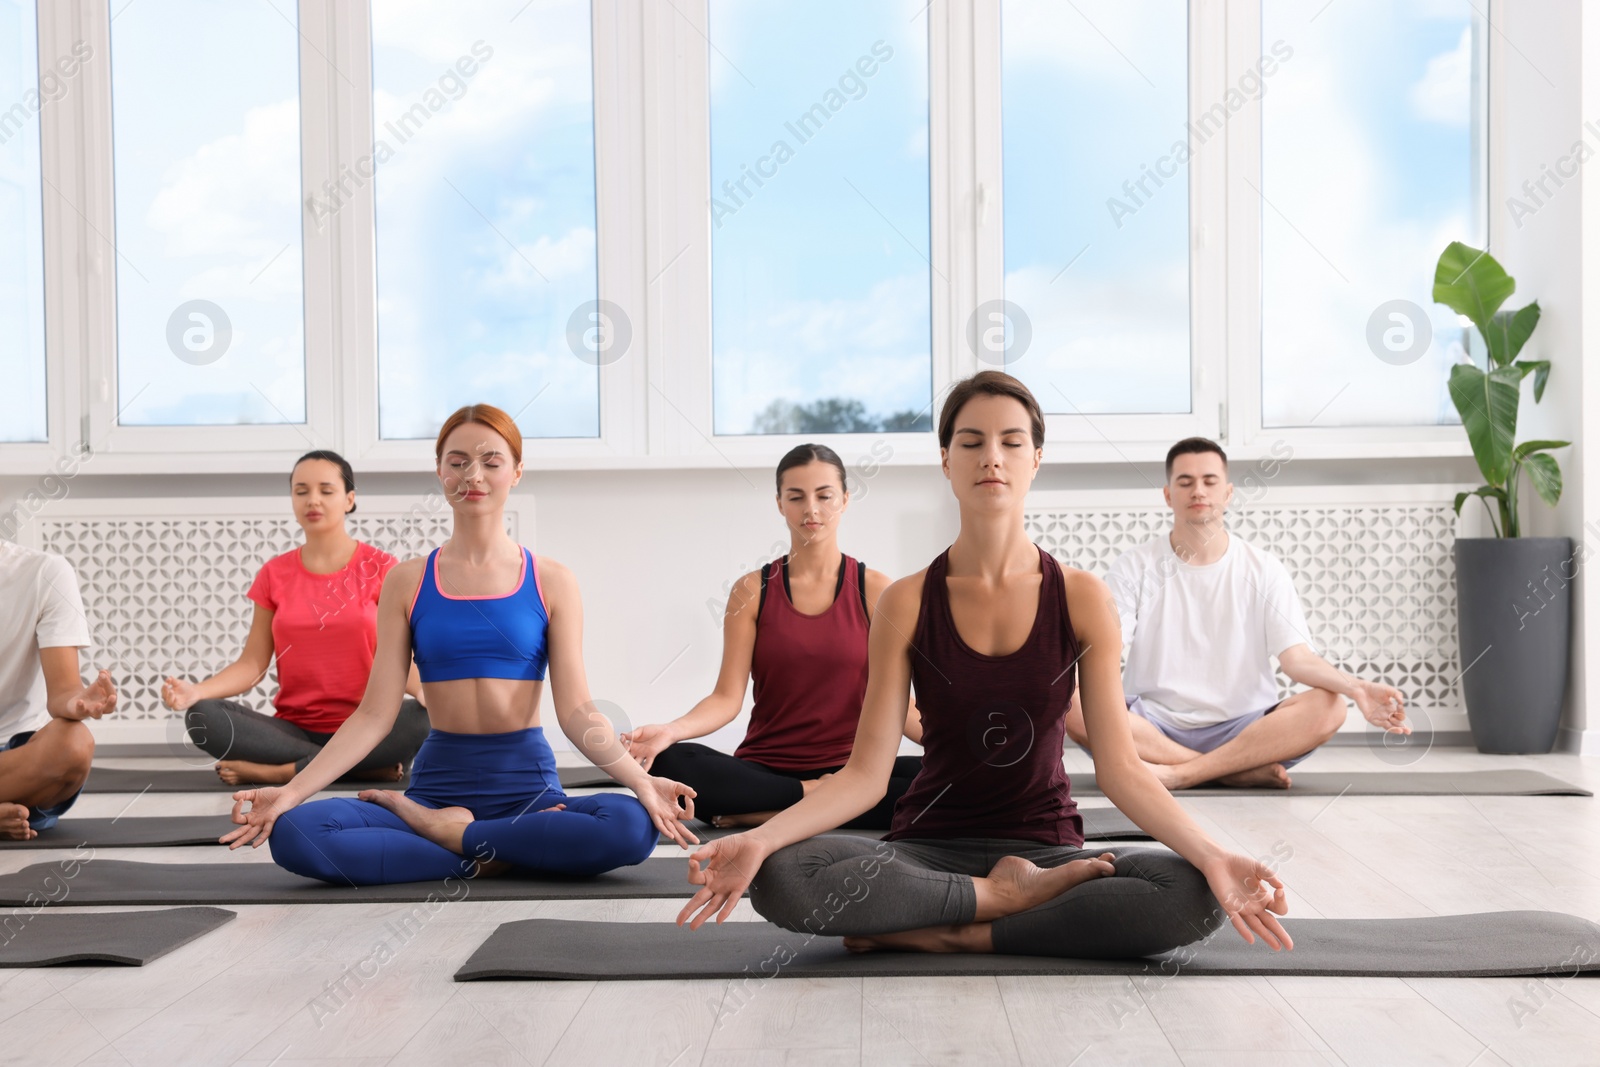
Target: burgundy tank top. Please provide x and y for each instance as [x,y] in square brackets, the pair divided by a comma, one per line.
[993,727]
[810,677]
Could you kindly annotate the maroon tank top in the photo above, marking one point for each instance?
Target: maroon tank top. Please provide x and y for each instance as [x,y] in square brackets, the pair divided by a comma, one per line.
[810,677]
[993,727]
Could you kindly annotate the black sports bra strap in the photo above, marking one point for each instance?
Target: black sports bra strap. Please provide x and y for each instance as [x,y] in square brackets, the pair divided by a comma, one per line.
[765,570]
[861,587]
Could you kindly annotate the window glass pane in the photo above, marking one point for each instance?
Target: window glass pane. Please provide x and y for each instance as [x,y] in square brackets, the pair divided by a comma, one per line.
[1096,142]
[22,401]
[483,116]
[820,274]
[1372,162]
[205,112]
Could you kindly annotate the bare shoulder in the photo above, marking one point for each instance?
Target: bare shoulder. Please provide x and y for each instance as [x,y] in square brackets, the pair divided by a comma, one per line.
[1081,585]
[747,587]
[876,583]
[901,602]
[554,576]
[403,578]
[1090,605]
[744,596]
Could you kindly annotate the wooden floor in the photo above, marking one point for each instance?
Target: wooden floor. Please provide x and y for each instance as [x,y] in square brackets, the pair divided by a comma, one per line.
[248,993]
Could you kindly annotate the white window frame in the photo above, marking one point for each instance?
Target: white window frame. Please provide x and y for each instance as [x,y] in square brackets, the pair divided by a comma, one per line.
[201,448]
[620,170]
[651,64]
[1109,437]
[55,130]
[681,408]
[1251,438]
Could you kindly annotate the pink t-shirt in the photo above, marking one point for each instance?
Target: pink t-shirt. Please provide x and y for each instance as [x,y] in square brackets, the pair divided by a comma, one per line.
[324,632]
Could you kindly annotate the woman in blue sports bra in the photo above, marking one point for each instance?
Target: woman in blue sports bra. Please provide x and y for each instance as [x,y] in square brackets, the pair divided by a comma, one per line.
[484,795]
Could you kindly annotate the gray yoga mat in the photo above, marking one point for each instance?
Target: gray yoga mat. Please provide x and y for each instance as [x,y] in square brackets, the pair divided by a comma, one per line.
[205,780]
[1406,783]
[115,881]
[127,937]
[1099,824]
[1483,944]
[129,832]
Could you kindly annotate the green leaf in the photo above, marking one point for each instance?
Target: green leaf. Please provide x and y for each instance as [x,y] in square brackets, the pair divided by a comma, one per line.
[1508,331]
[1540,368]
[1526,448]
[1471,283]
[1483,490]
[1545,474]
[1487,404]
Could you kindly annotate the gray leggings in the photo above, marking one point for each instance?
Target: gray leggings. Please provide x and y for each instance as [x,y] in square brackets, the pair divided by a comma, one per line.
[227,729]
[838,885]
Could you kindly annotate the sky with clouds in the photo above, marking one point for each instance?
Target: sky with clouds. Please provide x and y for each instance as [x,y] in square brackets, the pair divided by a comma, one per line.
[485,215]
[1366,173]
[820,278]
[206,158]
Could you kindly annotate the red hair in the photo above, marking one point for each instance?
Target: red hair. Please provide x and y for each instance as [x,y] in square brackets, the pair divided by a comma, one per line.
[484,415]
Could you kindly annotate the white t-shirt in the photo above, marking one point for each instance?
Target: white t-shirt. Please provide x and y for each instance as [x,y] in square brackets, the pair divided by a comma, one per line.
[42,610]
[1200,640]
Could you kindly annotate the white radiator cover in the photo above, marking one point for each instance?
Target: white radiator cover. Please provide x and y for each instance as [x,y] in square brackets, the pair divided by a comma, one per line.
[1372,565]
[163,579]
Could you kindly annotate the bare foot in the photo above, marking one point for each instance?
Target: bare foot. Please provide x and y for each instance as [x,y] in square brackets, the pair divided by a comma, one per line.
[14,822]
[808,784]
[243,772]
[380,774]
[442,826]
[749,818]
[1016,884]
[1271,776]
[971,937]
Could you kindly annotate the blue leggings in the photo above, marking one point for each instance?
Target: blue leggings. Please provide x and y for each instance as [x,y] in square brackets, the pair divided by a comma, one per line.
[506,780]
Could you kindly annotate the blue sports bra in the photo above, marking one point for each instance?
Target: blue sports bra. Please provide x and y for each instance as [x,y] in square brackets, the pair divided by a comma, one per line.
[480,636]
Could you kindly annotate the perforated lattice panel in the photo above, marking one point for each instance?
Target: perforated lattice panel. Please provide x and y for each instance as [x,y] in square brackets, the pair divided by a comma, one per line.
[1376,580]
[167,595]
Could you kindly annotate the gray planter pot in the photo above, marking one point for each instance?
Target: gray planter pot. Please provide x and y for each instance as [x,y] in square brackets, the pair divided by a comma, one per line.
[1514,613]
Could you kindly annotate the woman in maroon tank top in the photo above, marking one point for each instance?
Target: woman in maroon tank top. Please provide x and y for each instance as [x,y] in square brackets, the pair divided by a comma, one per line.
[798,627]
[985,851]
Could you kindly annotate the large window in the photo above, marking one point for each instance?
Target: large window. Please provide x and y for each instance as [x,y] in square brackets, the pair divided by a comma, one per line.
[483,118]
[1372,152]
[1096,149]
[22,98]
[819,216]
[205,107]
[671,240]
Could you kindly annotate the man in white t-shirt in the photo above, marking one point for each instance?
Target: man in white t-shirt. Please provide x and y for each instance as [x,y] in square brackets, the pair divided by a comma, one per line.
[1203,613]
[45,747]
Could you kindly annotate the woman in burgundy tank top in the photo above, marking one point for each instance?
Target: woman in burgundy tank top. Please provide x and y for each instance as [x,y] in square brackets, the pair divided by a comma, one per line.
[808,661]
[985,850]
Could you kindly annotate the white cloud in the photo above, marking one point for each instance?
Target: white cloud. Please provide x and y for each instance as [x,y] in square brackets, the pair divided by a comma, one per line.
[1116,42]
[1354,249]
[1444,94]
[872,348]
[237,199]
[527,270]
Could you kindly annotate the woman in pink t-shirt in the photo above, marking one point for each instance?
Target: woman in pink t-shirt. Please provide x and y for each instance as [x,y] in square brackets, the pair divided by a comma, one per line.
[316,612]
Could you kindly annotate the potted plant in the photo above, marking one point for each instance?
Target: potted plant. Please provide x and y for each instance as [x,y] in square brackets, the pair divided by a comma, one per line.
[1513,593]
